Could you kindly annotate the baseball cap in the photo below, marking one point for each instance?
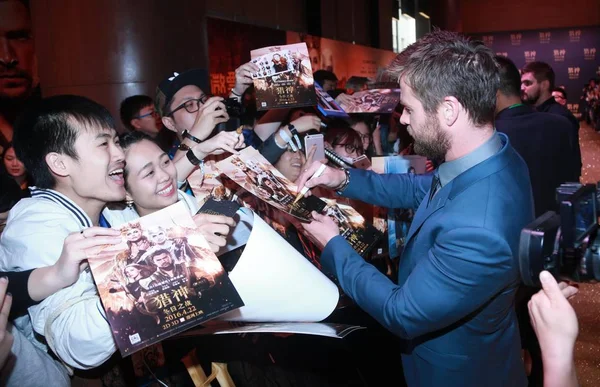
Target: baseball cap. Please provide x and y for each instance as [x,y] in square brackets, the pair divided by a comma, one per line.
[169,86]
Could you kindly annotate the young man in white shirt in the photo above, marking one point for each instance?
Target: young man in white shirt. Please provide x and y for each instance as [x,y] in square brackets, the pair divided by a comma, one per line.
[70,146]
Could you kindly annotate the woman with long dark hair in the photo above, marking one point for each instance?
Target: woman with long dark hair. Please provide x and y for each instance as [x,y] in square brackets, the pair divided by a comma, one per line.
[14,168]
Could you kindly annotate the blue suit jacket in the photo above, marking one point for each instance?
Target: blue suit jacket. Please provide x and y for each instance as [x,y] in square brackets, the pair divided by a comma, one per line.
[458,274]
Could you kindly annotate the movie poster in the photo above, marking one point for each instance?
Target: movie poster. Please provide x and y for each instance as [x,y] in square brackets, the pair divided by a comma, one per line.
[256,175]
[353,227]
[161,279]
[285,78]
[372,101]
[327,105]
[205,183]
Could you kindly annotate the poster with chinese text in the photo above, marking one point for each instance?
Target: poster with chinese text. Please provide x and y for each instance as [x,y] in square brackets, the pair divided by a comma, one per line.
[160,280]
[284,78]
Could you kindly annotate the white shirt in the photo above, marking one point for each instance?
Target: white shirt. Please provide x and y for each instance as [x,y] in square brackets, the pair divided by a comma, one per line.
[34,237]
[118,214]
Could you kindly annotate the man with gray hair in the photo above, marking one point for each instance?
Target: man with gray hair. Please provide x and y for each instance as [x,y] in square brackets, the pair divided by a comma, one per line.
[454,300]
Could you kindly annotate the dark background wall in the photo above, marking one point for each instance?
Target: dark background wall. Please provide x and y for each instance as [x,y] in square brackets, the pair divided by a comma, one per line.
[511,15]
[109,49]
[573,53]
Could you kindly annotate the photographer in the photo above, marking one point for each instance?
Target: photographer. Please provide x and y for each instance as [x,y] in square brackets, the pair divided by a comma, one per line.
[188,111]
[555,325]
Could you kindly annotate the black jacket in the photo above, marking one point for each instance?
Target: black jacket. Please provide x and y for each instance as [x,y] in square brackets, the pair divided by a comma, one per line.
[545,142]
[553,107]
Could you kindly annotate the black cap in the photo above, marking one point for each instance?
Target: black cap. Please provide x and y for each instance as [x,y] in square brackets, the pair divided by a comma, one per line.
[168,87]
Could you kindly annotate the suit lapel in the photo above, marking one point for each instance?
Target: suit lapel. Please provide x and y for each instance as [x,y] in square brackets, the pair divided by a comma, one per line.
[426,209]
[460,183]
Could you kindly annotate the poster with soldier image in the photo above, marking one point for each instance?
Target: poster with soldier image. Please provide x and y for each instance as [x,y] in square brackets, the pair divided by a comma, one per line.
[285,77]
[361,235]
[256,175]
[161,279]
[206,184]
[372,101]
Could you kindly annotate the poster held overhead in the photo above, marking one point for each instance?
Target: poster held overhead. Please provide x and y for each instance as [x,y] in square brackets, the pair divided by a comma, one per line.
[284,78]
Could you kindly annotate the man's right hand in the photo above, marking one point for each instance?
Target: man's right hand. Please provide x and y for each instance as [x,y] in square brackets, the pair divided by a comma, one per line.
[307,122]
[71,260]
[212,113]
[222,142]
[553,318]
[330,178]
[214,228]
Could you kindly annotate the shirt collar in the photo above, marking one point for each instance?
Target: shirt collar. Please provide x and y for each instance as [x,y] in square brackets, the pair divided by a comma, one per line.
[64,201]
[451,169]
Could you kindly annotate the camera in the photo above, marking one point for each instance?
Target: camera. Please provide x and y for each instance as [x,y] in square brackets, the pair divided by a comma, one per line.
[566,242]
[235,111]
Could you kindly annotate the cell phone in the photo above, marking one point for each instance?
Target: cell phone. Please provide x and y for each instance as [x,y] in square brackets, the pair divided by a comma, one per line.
[315,139]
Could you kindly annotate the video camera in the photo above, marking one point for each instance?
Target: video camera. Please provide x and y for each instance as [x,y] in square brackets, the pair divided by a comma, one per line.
[564,243]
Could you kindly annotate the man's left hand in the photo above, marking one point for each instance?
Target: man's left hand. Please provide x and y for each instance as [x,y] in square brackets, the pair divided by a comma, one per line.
[243,77]
[322,229]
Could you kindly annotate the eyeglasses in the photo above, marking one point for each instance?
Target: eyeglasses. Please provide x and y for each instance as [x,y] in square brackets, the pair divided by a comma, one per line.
[191,106]
[350,148]
[152,113]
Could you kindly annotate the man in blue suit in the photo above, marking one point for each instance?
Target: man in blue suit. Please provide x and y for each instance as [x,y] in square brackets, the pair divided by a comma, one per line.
[454,301]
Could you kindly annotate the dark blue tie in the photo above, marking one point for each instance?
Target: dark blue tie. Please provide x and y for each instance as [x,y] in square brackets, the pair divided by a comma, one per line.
[435,186]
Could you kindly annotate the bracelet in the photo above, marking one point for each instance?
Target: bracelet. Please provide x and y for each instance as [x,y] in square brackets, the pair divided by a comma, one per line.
[294,132]
[189,136]
[276,143]
[343,186]
[192,157]
[287,139]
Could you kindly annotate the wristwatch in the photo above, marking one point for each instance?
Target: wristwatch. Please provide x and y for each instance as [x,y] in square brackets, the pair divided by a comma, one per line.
[343,186]
[295,135]
[192,157]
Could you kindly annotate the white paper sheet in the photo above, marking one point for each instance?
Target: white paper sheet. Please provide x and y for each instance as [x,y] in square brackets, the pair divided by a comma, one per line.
[338,331]
[277,284]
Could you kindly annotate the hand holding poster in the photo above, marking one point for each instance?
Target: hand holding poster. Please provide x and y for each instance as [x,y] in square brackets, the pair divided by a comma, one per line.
[256,175]
[284,78]
[161,279]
